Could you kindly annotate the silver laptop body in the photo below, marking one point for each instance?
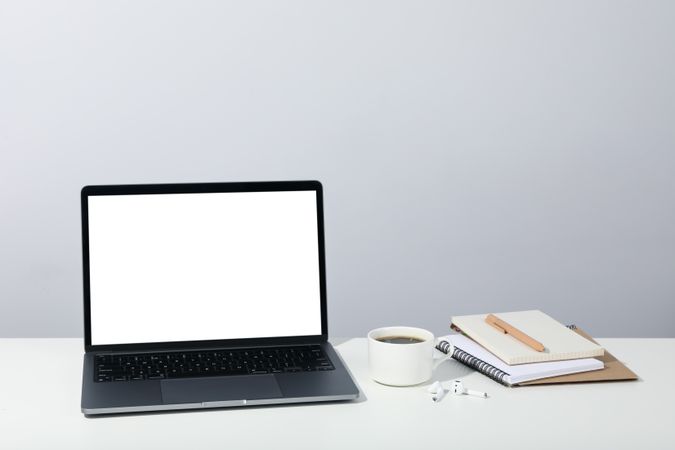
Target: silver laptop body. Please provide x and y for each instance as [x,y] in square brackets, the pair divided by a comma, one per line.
[206,295]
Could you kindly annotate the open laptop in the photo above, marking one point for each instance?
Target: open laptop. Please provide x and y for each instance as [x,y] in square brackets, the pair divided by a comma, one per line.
[206,295]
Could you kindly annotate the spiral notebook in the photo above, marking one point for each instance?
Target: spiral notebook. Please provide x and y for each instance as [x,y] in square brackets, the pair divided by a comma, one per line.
[473,355]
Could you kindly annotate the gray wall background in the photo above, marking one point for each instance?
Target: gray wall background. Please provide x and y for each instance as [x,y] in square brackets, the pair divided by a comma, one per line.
[476,156]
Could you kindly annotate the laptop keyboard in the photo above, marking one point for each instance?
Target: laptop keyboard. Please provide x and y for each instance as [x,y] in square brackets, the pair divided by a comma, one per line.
[158,366]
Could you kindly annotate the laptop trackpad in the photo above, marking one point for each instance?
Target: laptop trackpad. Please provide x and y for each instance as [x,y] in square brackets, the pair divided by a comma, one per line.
[198,390]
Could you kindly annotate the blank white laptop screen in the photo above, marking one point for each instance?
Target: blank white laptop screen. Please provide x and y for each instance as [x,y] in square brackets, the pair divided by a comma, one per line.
[200,266]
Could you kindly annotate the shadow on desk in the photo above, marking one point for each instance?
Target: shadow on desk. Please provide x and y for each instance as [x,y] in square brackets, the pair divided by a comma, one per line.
[449,370]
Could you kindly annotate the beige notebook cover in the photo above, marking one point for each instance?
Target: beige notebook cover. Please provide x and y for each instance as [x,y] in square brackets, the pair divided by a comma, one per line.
[560,342]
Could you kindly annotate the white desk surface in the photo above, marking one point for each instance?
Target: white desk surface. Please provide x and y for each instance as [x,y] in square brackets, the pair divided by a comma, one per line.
[41,409]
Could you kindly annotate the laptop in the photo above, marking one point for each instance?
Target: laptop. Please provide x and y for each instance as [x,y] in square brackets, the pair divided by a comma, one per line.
[206,295]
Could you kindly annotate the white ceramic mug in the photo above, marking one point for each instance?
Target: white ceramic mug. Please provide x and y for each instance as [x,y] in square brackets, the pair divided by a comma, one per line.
[400,364]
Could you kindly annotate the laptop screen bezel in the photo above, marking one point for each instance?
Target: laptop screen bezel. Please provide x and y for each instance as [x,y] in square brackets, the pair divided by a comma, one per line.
[186,188]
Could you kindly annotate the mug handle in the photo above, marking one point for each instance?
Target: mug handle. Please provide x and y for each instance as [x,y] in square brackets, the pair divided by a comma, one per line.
[445,357]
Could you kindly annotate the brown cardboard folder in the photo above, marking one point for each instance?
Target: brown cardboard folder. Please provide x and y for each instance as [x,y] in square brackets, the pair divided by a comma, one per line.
[614,370]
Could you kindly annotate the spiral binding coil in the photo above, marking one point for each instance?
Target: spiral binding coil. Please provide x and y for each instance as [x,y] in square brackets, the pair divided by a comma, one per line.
[475,363]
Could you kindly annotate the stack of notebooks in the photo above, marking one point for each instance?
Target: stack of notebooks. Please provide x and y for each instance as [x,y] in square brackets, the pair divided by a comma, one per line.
[569,355]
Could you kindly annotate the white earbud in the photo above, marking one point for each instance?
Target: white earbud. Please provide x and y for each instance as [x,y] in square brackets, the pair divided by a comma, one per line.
[459,389]
[437,391]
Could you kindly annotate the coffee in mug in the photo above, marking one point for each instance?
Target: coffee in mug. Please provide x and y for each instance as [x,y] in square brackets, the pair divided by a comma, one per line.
[399,340]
